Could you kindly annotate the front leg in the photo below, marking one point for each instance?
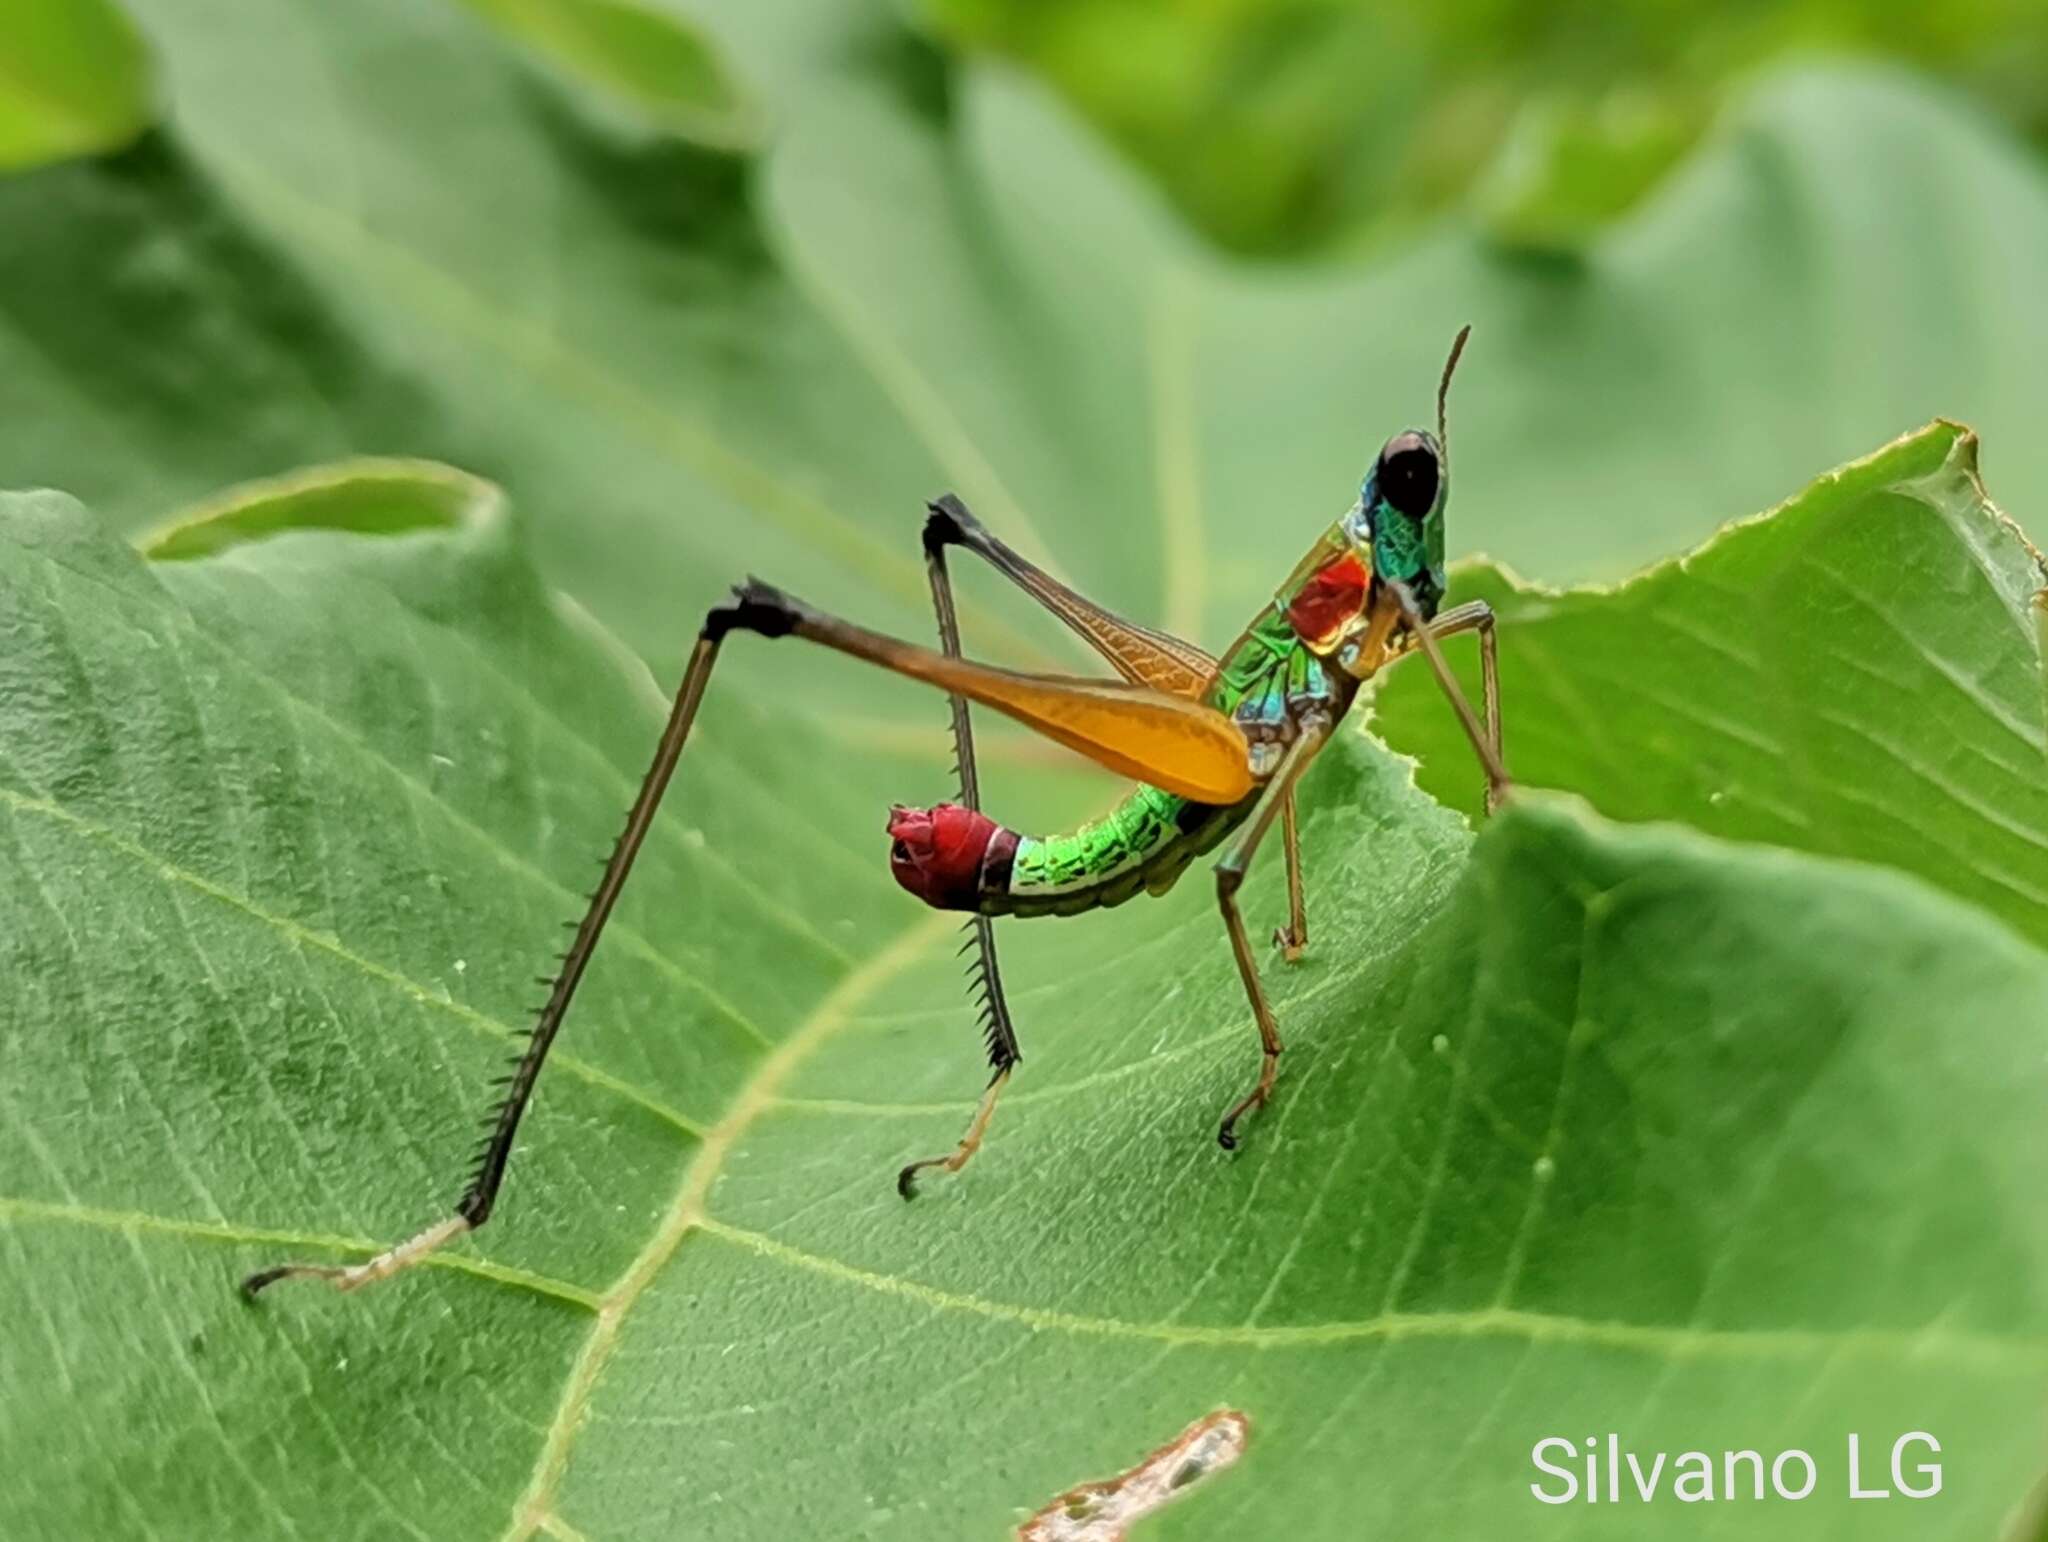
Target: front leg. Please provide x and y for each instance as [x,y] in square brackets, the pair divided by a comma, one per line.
[1476,616]
[1230,873]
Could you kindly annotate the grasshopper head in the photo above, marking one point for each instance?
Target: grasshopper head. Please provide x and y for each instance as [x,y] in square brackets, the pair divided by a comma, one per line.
[1394,533]
[1399,519]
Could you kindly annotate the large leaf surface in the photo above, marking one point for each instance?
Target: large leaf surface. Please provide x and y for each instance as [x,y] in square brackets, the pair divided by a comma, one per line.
[1588,1127]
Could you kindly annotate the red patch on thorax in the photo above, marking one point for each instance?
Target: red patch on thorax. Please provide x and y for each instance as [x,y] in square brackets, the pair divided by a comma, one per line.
[1332,596]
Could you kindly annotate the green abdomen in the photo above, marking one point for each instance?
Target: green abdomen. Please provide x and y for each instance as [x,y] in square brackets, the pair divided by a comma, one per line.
[1141,847]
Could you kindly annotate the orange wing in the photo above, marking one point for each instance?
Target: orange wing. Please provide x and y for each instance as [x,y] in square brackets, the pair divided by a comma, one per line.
[1173,743]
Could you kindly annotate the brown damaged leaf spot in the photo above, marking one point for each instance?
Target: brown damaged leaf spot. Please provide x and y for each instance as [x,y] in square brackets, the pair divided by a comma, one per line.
[1103,1511]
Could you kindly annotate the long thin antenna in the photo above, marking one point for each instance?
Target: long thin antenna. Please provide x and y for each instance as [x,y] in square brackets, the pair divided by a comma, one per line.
[1443,392]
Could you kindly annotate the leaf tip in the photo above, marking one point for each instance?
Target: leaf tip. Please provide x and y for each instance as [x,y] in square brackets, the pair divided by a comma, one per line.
[365,495]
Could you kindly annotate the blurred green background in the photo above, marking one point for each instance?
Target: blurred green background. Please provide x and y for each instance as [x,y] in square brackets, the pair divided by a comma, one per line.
[713,288]
[1286,125]
[1278,127]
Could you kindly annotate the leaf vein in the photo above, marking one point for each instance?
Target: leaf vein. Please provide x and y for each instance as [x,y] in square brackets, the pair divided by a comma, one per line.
[2011,1354]
[293,930]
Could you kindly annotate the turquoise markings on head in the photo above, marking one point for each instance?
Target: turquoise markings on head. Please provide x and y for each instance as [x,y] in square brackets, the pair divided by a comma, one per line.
[1403,499]
[1402,548]
[1400,545]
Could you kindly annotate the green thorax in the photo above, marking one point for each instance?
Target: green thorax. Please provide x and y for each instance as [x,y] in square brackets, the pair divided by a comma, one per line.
[1264,666]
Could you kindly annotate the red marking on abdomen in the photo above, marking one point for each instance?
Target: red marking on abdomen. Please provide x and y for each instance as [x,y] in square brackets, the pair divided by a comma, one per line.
[944,854]
[1332,596]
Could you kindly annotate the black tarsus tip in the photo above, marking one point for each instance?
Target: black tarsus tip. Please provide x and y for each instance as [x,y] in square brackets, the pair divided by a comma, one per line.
[947,523]
[755,607]
[1227,1136]
[906,1182]
[255,1284]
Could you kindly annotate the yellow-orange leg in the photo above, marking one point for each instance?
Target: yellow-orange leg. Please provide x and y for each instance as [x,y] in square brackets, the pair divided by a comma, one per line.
[977,1127]
[1230,873]
[382,1267]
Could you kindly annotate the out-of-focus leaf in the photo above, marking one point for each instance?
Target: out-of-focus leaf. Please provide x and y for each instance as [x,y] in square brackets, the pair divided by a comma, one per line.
[1568,168]
[661,68]
[1279,125]
[73,81]
[1120,390]
[376,232]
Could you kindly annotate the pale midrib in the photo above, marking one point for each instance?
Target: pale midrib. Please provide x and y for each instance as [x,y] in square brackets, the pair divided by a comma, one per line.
[686,1211]
[2021,1356]
[1978,1351]
[1148,1064]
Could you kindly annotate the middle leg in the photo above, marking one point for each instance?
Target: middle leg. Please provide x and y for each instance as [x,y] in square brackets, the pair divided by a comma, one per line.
[1230,874]
[1292,939]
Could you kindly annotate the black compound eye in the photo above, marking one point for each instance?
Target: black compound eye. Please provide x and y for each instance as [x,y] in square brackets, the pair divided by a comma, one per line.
[1407,474]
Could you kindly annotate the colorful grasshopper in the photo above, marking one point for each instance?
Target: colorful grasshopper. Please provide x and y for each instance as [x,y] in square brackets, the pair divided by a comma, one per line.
[1217,746]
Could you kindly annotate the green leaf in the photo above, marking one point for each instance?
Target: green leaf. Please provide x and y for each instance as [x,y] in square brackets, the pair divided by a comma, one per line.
[291,818]
[73,81]
[1582,1126]
[667,73]
[1857,675]
[1283,124]
[1567,167]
